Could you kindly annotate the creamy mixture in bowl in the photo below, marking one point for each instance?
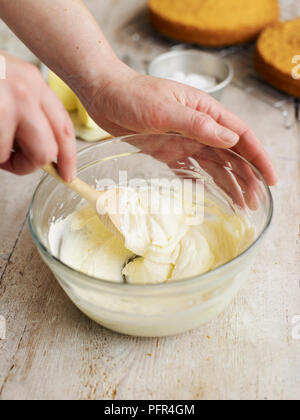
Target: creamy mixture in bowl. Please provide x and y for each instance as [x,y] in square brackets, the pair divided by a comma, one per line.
[175,242]
[182,260]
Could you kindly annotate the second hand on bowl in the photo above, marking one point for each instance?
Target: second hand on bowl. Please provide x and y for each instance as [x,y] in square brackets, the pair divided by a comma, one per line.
[106,200]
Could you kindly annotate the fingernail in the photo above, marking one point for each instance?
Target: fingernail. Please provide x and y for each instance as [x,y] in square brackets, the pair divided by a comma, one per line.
[69,128]
[74,175]
[230,138]
[70,178]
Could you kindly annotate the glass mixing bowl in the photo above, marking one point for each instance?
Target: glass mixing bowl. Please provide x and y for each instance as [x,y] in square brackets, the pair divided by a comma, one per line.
[169,308]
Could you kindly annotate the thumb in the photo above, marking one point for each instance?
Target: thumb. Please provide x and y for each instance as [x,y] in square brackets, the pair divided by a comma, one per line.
[200,126]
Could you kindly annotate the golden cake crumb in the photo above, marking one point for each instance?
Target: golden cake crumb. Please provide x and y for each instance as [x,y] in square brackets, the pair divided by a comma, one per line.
[276,50]
[213,22]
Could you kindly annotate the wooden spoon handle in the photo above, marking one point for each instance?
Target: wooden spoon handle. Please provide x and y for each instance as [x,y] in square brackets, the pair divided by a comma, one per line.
[80,187]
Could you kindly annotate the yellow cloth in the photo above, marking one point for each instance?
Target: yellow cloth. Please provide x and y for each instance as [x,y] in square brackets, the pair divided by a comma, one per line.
[85,128]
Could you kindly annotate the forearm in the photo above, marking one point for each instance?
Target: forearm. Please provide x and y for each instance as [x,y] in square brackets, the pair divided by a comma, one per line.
[66,37]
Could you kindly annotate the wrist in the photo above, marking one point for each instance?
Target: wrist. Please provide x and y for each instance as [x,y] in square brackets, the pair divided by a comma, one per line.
[93,80]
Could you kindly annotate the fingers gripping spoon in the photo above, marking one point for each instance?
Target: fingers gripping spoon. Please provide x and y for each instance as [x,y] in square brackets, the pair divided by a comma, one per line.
[104,202]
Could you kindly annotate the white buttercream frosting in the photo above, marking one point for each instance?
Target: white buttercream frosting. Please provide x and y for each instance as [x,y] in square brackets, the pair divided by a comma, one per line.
[172,238]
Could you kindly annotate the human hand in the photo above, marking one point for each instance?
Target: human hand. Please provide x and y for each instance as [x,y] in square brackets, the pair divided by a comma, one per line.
[132,103]
[229,172]
[35,129]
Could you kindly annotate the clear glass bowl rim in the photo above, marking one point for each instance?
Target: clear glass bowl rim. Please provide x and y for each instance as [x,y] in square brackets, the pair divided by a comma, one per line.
[195,280]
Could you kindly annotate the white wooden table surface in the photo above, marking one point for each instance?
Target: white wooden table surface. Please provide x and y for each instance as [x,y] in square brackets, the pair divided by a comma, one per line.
[52,351]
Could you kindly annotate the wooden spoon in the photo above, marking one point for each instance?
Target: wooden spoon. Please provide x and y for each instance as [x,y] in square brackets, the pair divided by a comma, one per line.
[106,200]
